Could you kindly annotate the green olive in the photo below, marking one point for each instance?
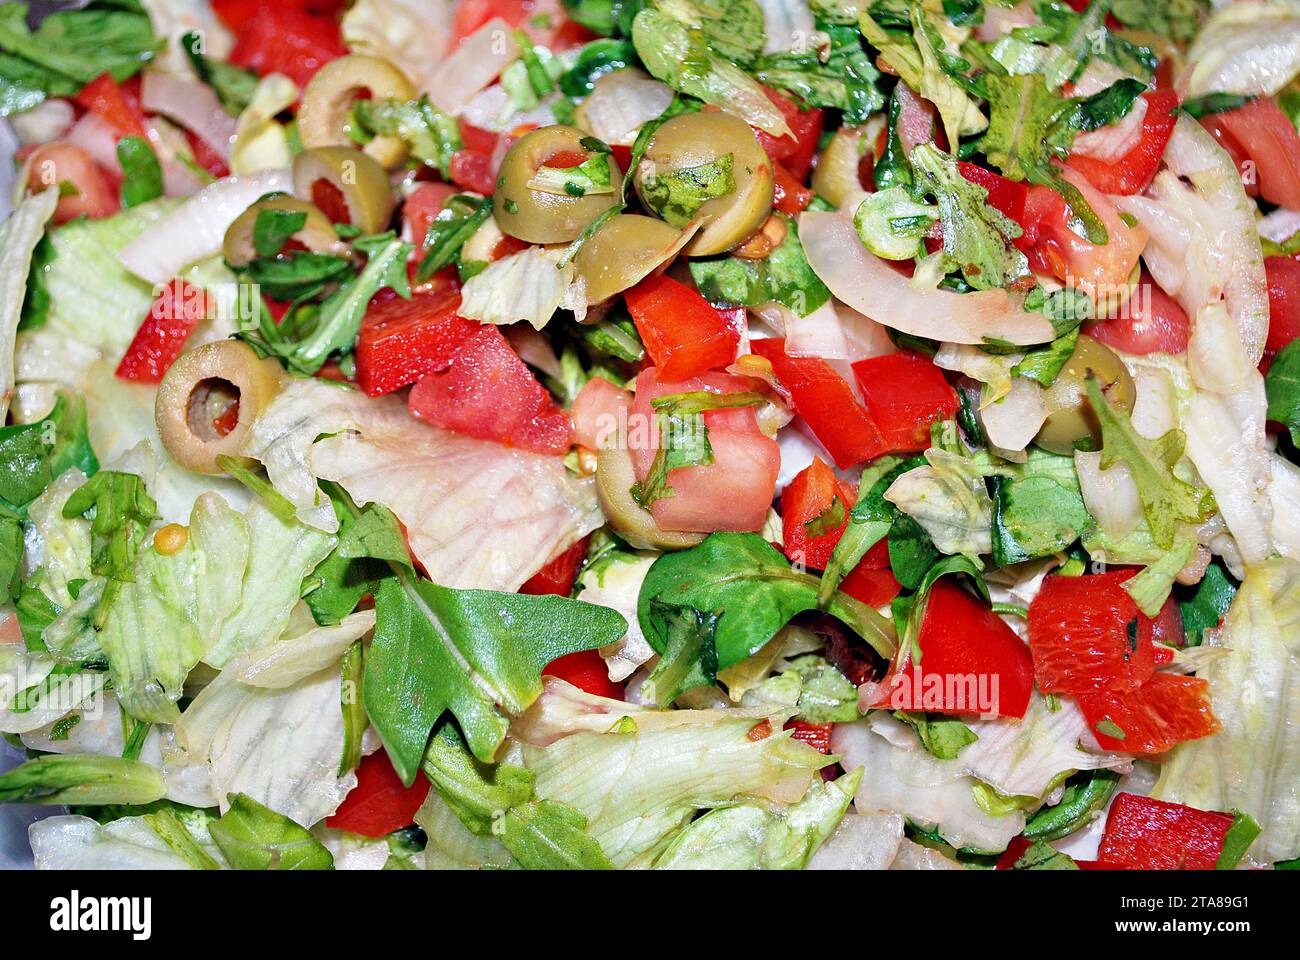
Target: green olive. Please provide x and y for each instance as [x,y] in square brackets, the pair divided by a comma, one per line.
[360,178]
[624,252]
[836,177]
[323,114]
[317,234]
[539,216]
[631,521]
[1070,416]
[694,139]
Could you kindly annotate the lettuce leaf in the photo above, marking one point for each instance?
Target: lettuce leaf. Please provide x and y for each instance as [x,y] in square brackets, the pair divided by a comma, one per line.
[948,498]
[19,237]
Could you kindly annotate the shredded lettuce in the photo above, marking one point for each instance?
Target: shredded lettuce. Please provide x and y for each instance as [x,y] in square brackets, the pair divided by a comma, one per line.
[19,237]
[948,498]
[530,285]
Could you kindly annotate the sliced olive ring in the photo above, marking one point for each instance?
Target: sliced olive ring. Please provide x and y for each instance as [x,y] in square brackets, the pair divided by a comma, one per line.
[317,234]
[205,383]
[536,216]
[323,114]
[1071,417]
[695,139]
[358,177]
[630,520]
[624,252]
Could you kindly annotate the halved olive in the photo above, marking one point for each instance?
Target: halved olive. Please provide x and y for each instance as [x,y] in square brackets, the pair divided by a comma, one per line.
[1071,418]
[695,139]
[631,521]
[323,114]
[317,234]
[359,178]
[836,177]
[541,216]
[624,252]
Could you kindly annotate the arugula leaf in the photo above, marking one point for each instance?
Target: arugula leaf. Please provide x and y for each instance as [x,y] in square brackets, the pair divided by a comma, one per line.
[1085,36]
[753,589]
[32,455]
[1043,856]
[1205,610]
[1038,508]
[81,778]
[942,737]
[499,801]
[122,511]
[1178,20]
[1212,103]
[869,521]
[437,649]
[254,837]
[690,657]
[142,178]
[432,135]
[369,543]
[1151,586]
[459,218]
[1282,386]
[233,85]
[677,195]
[298,276]
[841,76]
[1086,795]
[274,227]
[1167,500]
[783,276]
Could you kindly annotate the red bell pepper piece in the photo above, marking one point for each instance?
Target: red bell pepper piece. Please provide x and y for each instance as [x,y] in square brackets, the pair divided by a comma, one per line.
[971,661]
[489,393]
[205,156]
[115,104]
[790,196]
[816,735]
[403,340]
[826,402]
[380,803]
[682,332]
[875,588]
[175,313]
[1147,834]
[1006,196]
[1283,274]
[586,671]
[560,572]
[905,393]
[1133,172]
[1163,712]
[796,151]
[473,171]
[235,13]
[806,499]
[277,38]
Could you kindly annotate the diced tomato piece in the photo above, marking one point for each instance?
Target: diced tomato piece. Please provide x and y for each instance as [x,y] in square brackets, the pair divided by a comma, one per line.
[1236,152]
[1283,275]
[790,196]
[543,20]
[1163,712]
[329,199]
[559,573]
[380,803]
[403,340]
[599,411]
[971,661]
[826,402]
[473,171]
[1133,172]
[1269,138]
[1085,635]
[682,332]
[175,313]
[279,38]
[235,13]
[732,493]
[488,392]
[113,104]
[905,393]
[205,156]
[808,499]
[795,152]
[1150,322]
[586,671]
[1143,833]
[227,419]
[422,206]
[85,188]
[875,587]
[816,735]
[1005,196]
[476,138]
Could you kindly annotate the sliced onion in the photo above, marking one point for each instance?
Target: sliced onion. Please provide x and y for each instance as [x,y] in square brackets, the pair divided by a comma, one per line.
[534,349]
[999,20]
[1114,141]
[473,65]
[169,144]
[1016,419]
[1111,496]
[868,284]
[621,104]
[98,139]
[193,104]
[47,121]
[195,229]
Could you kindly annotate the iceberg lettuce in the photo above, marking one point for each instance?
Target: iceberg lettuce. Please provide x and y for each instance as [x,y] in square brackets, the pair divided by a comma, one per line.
[19,236]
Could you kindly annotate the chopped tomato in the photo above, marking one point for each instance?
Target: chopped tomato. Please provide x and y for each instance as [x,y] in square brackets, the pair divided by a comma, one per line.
[971,661]
[175,313]
[85,189]
[1283,275]
[875,587]
[1270,139]
[813,497]
[790,196]
[422,206]
[114,104]
[1165,630]
[735,491]
[543,20]
[472,170]
[329,199]
[235,13]
[1006,196]
[905,393]
[1084,633]
[826,402]
[205,156]
[403,340]
[1133,172]
[1150,321]
[599,411]
[795,152]
[380,803]
[1163,712]
[476,138]
[682,332]
[488,392]
[1143,833]
[816,735]
[473,14]
[586,671]
[1236,152]
[560,572]
[279,38]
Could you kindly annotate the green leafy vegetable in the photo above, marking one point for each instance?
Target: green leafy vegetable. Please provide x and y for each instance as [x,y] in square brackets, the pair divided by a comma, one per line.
[274,227]
[120,510]
[173,832]
[1237,841]
[369,543]
[841,76]
[595,175]
[943,737]
[233,85]
[690,657]
[594,61]
[1205,610]
[869,521]
[298,276]
[892,224]
[1282,385]
[459,218]
[81,778]
[432,135]
[1038,509]
[253,837]
[1086,795]
[1212,103]
[825,694]
[783,276]
[142,178]
[33,455]
[677,195]
[1043,856]
[1176,19]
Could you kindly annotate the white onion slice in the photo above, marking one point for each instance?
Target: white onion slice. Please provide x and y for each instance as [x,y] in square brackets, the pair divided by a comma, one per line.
[622,103]
[473,65]
[1012,422]
[1111,496]
[97,138]
[193,104]
[1113,141]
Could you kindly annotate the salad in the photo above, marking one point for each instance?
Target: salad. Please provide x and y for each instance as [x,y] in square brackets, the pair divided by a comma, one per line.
[829,434]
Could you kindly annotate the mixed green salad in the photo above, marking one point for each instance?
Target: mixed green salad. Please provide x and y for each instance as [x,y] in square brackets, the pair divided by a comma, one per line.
[781,434]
